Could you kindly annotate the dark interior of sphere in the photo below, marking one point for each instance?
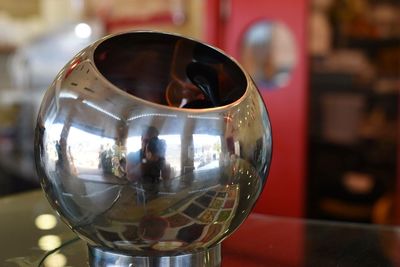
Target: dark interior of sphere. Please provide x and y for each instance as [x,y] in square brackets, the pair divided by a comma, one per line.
[170,70]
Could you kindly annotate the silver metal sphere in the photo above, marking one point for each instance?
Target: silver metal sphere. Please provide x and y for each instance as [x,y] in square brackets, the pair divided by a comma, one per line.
[152,144]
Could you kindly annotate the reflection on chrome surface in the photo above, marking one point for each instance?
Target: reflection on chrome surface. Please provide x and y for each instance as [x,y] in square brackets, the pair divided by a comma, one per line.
[152,144]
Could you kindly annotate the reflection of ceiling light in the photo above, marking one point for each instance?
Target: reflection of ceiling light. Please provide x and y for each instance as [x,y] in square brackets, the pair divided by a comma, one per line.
[90,104]
[203,117]
[49,242]
[46,221]
[152,115]
[55,260]
[68,95]
[83,30]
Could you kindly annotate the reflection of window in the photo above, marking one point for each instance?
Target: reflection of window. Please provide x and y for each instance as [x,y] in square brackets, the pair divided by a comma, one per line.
[133,144]
[173,152]
[268,53]
[207,149]
[85,149]
[54,132]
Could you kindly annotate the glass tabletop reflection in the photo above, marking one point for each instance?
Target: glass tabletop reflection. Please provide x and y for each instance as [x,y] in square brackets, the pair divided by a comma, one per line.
[32,235]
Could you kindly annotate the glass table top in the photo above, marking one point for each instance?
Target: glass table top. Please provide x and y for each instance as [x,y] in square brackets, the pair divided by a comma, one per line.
[31,232]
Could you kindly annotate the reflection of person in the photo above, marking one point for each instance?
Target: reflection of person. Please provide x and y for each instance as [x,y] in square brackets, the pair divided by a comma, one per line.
[151,171]
[105,162]
[134,159]
[64,156]
[148,164]
[138,156]
[59,162]
[122,167]
[155,167]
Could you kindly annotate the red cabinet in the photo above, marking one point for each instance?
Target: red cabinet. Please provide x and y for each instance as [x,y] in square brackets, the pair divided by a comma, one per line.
[233,26]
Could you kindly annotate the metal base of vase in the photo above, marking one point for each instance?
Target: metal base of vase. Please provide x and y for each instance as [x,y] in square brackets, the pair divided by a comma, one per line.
[208,258]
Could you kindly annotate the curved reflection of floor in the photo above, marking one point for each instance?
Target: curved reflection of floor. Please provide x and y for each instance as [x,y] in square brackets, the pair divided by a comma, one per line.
[197,203]
[200,206]
[186,218]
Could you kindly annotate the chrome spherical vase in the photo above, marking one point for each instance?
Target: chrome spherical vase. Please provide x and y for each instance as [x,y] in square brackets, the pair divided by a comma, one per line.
[153,148]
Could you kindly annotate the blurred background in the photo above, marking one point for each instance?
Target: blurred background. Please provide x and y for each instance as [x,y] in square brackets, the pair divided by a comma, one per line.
[329,72]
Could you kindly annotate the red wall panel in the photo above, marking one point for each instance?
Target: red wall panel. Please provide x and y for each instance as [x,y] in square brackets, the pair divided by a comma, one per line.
[285,189]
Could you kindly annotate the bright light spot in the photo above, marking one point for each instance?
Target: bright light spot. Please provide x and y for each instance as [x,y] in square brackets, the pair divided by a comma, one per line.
[46,221]
[133,144]
[83,30]
[49,242]
[96,107]
[55,260]
[68,95]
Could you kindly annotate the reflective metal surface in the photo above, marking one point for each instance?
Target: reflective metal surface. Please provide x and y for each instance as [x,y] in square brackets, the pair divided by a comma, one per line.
[210,257]
[152,144]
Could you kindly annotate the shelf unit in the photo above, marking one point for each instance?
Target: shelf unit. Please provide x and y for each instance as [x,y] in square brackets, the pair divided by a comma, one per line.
[353,171]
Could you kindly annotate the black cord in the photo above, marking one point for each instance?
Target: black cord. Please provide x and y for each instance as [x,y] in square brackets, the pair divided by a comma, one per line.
[48,253]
